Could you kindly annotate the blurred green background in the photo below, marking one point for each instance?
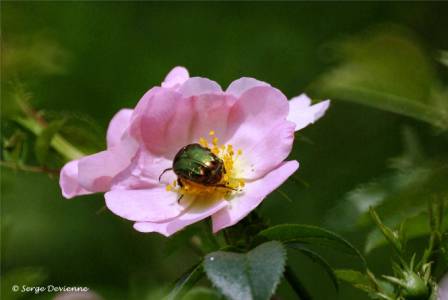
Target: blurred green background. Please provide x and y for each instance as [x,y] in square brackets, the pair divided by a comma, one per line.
[90,59]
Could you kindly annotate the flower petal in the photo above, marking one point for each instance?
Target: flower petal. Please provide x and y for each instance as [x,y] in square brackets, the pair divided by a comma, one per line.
[256,112]
[239,86]
[176,77]
[69,183]
[197,85]
[165,121]
[302,113]
[197,212]
[254,193]
[443,288]
[96,171]
[269,152]
[154,205]
[117,126]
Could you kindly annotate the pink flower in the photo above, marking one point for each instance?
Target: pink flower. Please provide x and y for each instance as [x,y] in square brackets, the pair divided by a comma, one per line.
[442,293]
[250,126]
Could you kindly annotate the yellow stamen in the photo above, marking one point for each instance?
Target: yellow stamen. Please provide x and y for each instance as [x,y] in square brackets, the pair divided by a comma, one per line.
[229,183]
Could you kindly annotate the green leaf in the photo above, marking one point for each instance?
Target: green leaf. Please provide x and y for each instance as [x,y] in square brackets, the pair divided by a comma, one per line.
[20,277]
[186,282]
[311,234]
[251,276]
[357,279]
[202,293]
[386,69]
[315,257]
[44,140]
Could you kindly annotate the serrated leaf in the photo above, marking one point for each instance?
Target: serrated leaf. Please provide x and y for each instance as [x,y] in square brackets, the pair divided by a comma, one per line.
[23,276]
[386,69]
[317,258]
[251,276]
[44,140]
[186,282]
[310,234]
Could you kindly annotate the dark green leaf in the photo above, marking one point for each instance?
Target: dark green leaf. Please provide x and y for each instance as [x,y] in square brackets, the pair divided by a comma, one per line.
[186,282]
[317,259]
[311,234]
[44,139]
[387,70]
[251,276]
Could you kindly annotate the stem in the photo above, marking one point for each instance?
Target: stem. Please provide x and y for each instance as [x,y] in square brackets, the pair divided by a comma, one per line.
[61,145]
[296,285]
[27,168]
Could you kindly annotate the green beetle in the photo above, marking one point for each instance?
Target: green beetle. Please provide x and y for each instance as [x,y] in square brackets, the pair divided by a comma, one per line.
[198,164]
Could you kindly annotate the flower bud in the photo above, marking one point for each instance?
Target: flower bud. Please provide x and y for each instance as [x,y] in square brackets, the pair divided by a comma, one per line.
[414,287]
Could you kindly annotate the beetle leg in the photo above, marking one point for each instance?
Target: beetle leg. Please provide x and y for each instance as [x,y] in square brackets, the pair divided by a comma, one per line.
[225,187]
[179,182]
[169,169]
[180,198]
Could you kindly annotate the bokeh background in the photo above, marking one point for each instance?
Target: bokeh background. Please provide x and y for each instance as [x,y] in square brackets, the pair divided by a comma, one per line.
[87,60]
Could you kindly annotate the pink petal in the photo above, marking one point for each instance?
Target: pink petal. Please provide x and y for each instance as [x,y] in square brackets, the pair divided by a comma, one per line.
[269,152]
[256,113]
[68,181]
[302,113]
[175,77]
[95,172]
[117,126]
[443,288]
[197,85]
[154,205]
[197,212]
[152,115]
[238,87]
[165,121]
[254,193]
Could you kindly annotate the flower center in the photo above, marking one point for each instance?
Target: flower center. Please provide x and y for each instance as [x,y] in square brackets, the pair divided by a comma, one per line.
[229,182]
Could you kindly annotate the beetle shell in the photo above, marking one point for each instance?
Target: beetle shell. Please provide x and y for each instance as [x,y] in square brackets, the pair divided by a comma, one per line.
[199,165]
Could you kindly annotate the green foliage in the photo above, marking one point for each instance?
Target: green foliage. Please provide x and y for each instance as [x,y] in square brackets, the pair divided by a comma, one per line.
[400,196]
[201,293]
[292,233]
[357,279]
[389,70]
[253,275]
[44,139]
[318,259]
[186,282]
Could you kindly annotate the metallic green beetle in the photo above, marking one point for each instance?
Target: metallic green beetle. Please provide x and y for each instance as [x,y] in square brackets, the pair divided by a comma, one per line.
[199,165]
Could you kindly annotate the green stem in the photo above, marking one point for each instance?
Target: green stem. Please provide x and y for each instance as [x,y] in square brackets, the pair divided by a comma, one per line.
[296,285]
[61,145]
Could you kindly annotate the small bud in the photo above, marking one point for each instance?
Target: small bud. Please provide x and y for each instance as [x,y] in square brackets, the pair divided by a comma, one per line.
[415,287]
